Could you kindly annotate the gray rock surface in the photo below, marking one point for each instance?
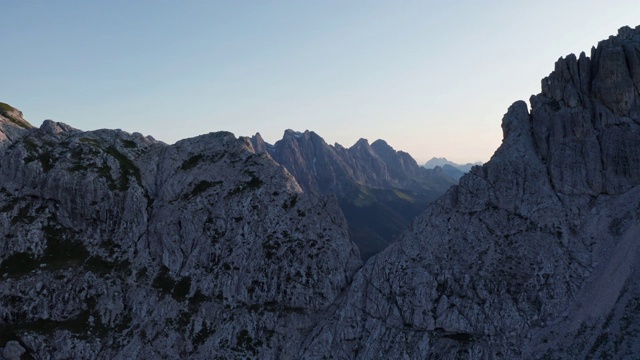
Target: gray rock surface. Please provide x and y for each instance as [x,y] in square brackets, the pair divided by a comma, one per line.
[12,124]
[380,190]
[333,169]
[13,350]
[116,246]
[533,255]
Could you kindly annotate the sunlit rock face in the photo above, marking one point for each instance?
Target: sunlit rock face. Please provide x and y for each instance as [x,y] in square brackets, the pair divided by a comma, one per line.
[533,255]
[117,246]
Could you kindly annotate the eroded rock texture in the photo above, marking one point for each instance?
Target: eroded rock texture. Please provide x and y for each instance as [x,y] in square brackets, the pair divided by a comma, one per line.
[379,190]
[534,255]
[118,246]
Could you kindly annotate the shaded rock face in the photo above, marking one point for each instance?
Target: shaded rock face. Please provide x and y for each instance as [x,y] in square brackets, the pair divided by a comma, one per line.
[380,190]
[116,246]
[533,255]
[326,169]
[587,113]
[453,171]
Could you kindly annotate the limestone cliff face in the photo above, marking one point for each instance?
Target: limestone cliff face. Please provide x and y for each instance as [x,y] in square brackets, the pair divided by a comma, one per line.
[118,246]
[534,255]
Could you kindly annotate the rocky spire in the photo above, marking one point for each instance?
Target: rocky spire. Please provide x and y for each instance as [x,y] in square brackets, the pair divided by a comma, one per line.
[532,255]
[117,246]
[12,124]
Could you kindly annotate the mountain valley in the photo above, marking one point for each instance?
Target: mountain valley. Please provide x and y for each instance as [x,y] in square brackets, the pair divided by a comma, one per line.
[118,246]
[380,190]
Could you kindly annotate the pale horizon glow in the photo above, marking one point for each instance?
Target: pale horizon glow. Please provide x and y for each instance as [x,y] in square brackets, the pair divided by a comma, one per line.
[430,78]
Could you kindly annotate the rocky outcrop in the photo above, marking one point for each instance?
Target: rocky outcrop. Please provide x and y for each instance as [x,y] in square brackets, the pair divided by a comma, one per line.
[12,124]
[443,162]
[117,246]
[533,255]
[380,190]
[322,168]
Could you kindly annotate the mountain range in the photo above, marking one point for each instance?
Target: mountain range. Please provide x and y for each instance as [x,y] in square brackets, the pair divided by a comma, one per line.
[118,246]
[380,190]
[450,168]
[441,162]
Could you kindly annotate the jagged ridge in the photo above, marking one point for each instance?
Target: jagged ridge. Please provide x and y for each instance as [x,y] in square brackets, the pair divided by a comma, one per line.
[119,246]
[380,190]
[534,254]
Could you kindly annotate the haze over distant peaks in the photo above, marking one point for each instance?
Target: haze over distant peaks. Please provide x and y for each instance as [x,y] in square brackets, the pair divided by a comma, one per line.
[449,167]
[117,246]
[442,161]
[380,190]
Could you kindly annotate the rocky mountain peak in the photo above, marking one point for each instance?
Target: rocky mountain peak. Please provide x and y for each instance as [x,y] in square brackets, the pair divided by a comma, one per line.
[361,144]
[118,246]
[531,256]
[291,133]
[299,136]
[12,124]
[258,143]
[190,249]
[381,146]
[587,114]
[375,180]
[52,127]
[302,140]
[324,168]
[12,115]
[609,75]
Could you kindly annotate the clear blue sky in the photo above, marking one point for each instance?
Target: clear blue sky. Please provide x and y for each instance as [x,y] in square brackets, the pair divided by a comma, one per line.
[433,78]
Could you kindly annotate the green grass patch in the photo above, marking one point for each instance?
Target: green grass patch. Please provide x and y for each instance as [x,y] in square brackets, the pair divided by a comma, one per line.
[129,144]
[291,202]
[19,122]
[127,168]
[19,264]
[46,160]
[6,107]
[105,172]
[201,187]
[10,205]
[78,167]
[4,111]
[90,141]
[165,283]
[205,332]
[191,162]
[23,216]
[59,253]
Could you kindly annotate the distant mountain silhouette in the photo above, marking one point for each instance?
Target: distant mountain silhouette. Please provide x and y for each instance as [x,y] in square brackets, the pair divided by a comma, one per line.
[449,167]
[452,171]
[118,246]
[380,190]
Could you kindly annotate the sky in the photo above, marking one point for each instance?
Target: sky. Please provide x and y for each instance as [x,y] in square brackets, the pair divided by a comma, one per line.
[432,78]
